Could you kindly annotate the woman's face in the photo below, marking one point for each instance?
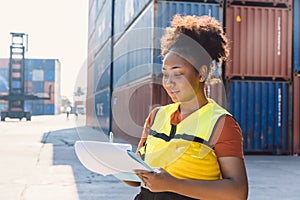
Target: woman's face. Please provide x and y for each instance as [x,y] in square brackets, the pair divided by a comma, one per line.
[180,79]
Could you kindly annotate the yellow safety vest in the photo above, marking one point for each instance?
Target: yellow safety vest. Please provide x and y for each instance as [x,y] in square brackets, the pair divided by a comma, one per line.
[183,150]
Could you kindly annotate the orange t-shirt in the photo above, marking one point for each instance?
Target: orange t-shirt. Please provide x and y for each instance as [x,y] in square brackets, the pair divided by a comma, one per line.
[227,137]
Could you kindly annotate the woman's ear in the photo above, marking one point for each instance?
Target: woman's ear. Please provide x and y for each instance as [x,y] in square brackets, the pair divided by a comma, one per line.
[203,73]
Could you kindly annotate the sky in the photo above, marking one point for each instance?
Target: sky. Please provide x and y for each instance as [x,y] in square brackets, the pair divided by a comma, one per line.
[57,29]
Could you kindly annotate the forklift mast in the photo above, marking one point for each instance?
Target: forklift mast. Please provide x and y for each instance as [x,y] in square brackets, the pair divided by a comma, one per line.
[16,72]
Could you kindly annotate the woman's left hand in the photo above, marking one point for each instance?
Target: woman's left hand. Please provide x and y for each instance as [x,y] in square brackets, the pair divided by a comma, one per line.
[157,181]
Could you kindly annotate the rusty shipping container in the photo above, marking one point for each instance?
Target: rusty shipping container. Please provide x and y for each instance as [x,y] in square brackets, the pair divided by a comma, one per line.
[261,42]
[131,106]
[262,111]
[287,3]
[296,114]
[296,36]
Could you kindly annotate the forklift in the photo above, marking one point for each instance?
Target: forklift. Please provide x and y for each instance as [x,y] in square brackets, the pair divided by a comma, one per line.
[16,94]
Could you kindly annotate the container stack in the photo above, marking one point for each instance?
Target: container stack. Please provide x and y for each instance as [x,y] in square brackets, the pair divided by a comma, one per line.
[40,75]
[296,77]
[259,72]
[127,62]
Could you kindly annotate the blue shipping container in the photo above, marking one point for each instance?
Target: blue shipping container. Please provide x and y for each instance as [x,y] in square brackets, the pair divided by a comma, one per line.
[3,80]
[37,86]
[37,109]
[102,109]
[49,109]
[102,67]
[49,75]
[261,109]
[133,60]
[296,35]
[126,12]
[103,25]
[167,9]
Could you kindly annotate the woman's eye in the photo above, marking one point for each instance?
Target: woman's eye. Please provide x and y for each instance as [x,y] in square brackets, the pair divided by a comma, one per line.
[165,75]
[178,74]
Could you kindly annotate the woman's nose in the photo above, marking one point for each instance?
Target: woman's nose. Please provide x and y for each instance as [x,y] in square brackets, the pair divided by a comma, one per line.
[169,80]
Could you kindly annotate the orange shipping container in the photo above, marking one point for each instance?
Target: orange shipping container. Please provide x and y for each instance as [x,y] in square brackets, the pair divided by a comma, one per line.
[296,115]
[263,2]
[47,85]
[261,42]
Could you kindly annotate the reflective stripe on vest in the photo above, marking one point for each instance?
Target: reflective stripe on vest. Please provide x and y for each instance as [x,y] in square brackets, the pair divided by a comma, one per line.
[183,150]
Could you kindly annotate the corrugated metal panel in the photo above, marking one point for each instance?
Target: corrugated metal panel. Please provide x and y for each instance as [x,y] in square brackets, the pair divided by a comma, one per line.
[37,109]
[37,86]
[90,119]
[261,42]
[3,106]
[102,109]
[261,109]
[215,90]
[3,80]
[92,17]
[167,9]
[296,114]
[132,60]
[91,50]
[49,109]
[46,91]
[128,123]
[49,75]
[4,63]
[267,2]
[126,12]
[102,67]
[103,25]
[28,87]
[296,36]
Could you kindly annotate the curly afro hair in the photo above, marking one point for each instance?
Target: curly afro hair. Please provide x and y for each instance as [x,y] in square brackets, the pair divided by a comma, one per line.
[205,30]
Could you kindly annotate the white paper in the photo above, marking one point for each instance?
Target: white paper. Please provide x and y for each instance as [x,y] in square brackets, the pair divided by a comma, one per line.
[108,158]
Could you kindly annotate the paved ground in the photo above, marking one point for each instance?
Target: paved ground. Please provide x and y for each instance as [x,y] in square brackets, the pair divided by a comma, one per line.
[37,162]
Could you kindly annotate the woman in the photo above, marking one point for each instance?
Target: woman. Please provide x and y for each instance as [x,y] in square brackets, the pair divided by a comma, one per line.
[194,144]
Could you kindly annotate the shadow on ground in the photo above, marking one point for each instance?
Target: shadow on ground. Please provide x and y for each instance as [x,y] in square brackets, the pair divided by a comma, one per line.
[89,185]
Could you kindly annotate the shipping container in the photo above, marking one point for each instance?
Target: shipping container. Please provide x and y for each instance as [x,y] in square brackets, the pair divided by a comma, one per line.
[131,106]
[3,80]
[261,42]
[4,63]
[102,67]
[28,87]
[49,109]
[37,86]
[296,36]
[141,59]
[39,74]
[286,3]
[3,105]
[37,108]
[91,17]
[133,60]
[102,107]
[91,50]
[296,114]
[103,25]
[48,85]
[261,109]
[126,12]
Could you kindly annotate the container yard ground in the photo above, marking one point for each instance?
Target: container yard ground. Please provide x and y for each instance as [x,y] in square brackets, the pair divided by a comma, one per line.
[38,163]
